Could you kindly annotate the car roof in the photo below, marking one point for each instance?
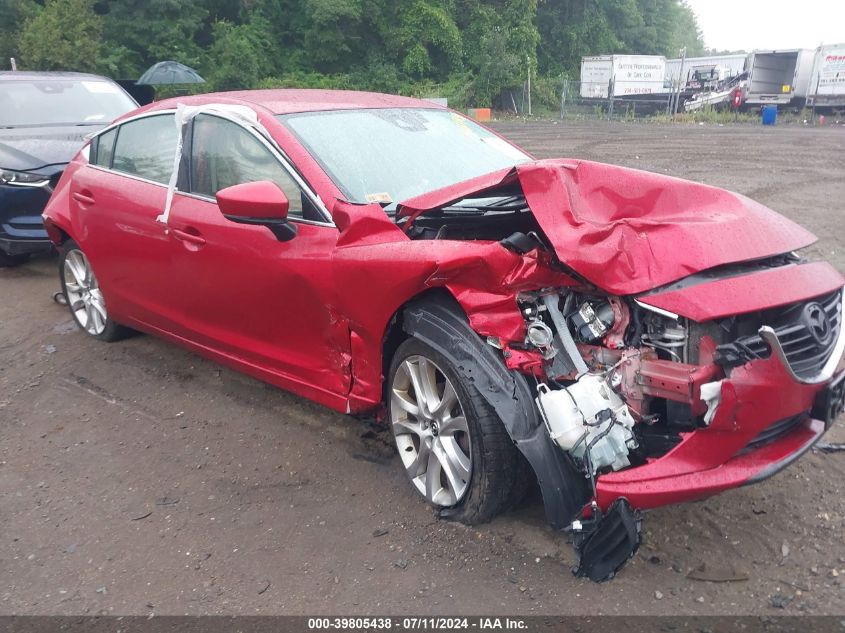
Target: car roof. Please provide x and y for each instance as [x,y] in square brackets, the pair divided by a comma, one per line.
[35,75]
[288,100]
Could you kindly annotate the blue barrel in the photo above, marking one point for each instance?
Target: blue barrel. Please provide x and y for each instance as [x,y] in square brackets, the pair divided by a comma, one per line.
[770,114]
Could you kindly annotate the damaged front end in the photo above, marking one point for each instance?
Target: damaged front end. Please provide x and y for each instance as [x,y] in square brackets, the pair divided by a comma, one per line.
[654,408]
[654,381]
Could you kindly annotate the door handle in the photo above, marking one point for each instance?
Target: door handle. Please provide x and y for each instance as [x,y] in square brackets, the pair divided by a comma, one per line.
[191,238]
[83,197]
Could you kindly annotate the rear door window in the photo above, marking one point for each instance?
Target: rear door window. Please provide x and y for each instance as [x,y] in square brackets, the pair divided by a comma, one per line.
[146,148]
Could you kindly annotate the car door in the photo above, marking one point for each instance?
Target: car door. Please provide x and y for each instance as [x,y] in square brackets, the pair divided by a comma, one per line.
[264,303]
[116,200]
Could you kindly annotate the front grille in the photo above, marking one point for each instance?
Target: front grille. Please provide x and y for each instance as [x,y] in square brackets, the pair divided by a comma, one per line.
[804,351]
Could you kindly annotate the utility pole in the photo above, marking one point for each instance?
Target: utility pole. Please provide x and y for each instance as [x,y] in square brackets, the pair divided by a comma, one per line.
[681,81]
[528,60]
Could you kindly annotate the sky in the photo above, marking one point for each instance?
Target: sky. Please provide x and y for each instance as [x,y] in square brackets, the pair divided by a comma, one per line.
[749,24]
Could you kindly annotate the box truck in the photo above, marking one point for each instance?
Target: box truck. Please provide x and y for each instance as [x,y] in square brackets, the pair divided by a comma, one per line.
[779,77]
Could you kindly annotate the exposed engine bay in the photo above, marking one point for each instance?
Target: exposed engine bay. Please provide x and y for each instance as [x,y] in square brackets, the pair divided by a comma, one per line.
[619,382]
[593,400]
[627,369]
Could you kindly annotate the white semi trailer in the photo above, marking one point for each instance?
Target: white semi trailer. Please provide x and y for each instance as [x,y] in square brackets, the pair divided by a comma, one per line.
[630,75]
[827,82]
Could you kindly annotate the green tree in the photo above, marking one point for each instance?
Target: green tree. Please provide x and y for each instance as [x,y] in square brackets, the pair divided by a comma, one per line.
[65,35]
[241,54]
[14,13]
[331,37]
[143,32]
[429,39]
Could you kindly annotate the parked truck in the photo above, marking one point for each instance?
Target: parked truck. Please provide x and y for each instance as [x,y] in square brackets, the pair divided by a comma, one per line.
[827,82]
[629,75]
[780,77]
[699,71]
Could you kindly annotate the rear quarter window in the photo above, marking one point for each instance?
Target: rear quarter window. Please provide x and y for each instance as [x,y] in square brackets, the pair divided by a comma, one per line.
[146,147]
[102,149]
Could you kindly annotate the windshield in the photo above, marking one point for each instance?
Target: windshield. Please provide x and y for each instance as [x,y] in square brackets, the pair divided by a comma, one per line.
[27,102]
[390,155]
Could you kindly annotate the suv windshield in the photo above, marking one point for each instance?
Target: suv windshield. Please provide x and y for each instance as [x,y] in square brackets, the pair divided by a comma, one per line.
[390,155]
[44,102]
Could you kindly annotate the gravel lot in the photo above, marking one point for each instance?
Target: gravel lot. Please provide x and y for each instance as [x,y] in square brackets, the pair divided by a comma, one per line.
[138,478]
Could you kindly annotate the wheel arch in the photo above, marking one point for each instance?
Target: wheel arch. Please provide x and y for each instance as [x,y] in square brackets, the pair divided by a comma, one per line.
[56,232]
[395,332]
[439,320]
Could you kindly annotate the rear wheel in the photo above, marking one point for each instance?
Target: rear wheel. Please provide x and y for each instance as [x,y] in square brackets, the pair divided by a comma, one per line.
[454,448]
[84,298]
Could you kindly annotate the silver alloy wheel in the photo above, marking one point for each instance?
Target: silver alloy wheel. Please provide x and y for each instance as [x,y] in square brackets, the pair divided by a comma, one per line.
[431,431]
[83,293]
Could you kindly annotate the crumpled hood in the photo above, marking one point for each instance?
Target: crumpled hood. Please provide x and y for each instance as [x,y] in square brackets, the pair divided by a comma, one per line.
[628,231]
[30,148]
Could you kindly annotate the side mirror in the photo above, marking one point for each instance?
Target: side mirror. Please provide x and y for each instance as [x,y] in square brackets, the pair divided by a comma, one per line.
[259,203]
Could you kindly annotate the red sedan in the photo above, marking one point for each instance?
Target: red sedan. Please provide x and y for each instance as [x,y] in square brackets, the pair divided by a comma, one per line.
[634,339]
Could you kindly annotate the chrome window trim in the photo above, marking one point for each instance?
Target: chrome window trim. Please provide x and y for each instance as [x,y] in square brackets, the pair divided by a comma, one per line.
[210,200]
[188,194]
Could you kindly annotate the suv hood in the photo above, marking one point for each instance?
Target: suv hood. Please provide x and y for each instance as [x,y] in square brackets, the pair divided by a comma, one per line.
[30,148]
[628,231]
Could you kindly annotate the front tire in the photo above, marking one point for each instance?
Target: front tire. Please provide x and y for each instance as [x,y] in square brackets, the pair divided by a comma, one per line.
[453,446]
[84,298]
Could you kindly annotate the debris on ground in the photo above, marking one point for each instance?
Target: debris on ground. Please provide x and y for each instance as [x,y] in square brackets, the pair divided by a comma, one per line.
[780,601]
[380,532]
[142,516]
[264,587]
[829,447]
[710,573]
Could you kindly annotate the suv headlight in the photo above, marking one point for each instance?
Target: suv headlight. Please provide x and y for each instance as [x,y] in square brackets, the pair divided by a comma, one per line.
[22,178]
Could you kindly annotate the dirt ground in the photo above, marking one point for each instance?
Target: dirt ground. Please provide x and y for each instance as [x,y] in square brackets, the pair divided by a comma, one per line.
[138,478]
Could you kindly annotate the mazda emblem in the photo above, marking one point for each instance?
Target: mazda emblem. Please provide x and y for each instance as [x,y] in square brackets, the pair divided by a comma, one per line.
[818,323]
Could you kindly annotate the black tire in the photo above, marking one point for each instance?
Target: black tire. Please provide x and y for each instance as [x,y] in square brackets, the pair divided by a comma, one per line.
[10,261]
[113,331]
[499,474]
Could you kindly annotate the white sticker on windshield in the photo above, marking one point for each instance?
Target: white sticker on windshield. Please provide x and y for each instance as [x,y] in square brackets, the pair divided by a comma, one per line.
[383,198]
[99,87]
[504,147]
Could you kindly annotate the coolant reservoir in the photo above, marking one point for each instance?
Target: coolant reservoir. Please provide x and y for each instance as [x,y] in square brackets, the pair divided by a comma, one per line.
[574,421]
